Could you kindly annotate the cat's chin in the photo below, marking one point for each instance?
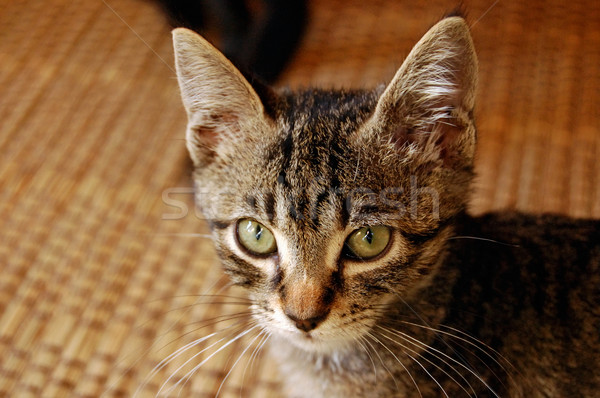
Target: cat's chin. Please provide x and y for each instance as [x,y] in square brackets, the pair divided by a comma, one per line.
[315,342]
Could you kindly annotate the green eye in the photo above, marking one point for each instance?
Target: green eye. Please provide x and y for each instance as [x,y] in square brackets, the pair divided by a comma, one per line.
[367,242]
[255,237]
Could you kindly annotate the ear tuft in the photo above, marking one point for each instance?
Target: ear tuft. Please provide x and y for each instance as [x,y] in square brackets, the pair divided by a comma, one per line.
[430,99]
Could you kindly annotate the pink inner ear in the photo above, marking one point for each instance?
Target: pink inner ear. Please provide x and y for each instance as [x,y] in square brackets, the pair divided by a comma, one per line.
[203,144]
[209,132]
[206,137]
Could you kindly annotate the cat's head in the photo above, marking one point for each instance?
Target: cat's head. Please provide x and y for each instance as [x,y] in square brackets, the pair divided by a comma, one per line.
[329,205]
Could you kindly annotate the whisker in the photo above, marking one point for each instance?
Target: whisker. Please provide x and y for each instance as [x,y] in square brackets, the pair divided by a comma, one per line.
[225,286]
[378,356]
[424,322]
[187,379]
[166,361]
[233,315]
[260,347]
[418,363]
[189,374]
[139,37]
[236,362]
[485,13]
[417,343]
[152,346]
[429,374]
[401,364]
[253,356]
[483,350]
[178,352]
[186,307]
[475,340]
[169,358]
[360,341]
[482,239]
[241,299]
[473,343]
[217,320]
[445,343]
[185,235]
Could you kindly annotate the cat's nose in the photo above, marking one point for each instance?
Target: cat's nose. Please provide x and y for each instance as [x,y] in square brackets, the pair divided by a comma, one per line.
[306,325]
[306,302]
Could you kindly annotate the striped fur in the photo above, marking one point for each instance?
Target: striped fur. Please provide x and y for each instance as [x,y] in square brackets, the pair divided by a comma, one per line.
[315,165]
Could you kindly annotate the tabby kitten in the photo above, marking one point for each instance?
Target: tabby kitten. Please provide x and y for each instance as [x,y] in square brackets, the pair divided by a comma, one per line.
[343,214]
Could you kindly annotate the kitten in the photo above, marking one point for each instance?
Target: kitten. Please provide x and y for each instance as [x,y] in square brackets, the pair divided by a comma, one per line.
[343,214]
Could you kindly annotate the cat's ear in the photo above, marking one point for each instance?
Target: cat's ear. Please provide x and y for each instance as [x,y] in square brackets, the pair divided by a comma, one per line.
[221,105]
[430,100]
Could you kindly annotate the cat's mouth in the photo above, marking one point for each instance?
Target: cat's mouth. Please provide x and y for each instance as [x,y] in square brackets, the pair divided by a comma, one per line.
[335,333]
[324,339]
[313,341]
[310,337]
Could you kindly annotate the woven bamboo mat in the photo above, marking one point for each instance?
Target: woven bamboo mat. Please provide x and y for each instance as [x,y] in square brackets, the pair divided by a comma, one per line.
[101,269]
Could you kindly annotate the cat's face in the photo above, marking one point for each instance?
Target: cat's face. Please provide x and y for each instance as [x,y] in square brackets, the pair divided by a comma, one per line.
[329,205]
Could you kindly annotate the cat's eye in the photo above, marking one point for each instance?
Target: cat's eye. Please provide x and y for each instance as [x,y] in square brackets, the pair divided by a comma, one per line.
[255,238]
[367,242]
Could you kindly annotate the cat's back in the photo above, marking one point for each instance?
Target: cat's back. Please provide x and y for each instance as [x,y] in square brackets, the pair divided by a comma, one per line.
[530,285]
[549,258]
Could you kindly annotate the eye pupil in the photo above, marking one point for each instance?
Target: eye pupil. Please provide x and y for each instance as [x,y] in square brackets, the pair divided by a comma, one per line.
[258,232]
[369,236]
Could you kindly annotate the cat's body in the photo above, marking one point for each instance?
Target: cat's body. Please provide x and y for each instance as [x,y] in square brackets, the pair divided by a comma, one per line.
[343,214]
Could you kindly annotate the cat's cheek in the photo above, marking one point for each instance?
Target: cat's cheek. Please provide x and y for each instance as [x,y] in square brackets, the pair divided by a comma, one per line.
[272,317]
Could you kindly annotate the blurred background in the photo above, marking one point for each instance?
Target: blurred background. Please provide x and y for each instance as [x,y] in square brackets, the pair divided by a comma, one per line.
[102,256]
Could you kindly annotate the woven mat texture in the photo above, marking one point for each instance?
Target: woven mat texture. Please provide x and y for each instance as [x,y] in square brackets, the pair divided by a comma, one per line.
[103,259]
